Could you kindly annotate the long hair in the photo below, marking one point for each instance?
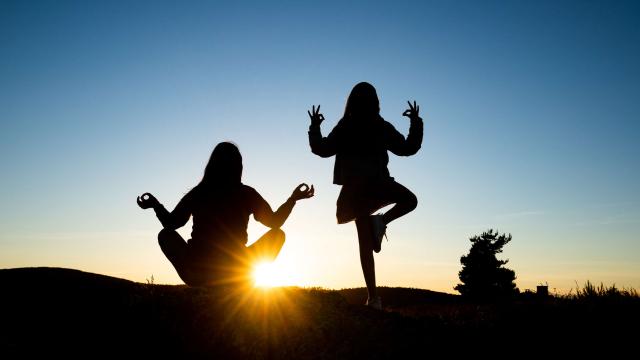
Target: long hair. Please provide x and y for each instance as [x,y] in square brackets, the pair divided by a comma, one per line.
[362,102]
[224,168]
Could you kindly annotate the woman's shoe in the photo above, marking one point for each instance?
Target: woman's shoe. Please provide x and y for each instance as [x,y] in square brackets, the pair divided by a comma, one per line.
[375,302]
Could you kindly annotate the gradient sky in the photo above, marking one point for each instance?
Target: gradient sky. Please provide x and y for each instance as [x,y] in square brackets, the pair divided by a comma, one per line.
[532,126]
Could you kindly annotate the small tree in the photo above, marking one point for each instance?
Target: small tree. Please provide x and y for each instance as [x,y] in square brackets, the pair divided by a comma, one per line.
[483,276]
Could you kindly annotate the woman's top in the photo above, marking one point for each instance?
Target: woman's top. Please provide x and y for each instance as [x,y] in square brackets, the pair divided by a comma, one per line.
[361,147]
[220,217]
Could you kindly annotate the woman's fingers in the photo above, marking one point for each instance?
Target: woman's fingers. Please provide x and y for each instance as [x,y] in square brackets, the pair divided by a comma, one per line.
[300,190]
[315,115]
[146,200]
[141,202]
[303,191]
[413,110]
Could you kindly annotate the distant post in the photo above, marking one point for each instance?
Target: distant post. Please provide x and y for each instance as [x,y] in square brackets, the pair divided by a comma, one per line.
[542,291]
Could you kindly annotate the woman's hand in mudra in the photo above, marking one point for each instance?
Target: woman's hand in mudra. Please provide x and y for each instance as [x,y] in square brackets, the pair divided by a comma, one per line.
[147,200]
[413,112]
[316,117]
[303,191]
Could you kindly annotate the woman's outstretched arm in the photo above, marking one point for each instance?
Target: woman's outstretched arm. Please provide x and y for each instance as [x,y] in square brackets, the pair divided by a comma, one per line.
[275,220]
[169,220]
[321,146]
[397,143]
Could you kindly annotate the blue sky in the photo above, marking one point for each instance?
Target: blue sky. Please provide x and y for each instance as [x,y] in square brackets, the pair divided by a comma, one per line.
[531,116]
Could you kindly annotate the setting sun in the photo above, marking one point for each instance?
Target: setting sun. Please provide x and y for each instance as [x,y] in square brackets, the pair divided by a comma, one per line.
[269,274]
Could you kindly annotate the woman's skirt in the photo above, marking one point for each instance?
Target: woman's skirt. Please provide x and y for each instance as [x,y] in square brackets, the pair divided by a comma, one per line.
[359,200]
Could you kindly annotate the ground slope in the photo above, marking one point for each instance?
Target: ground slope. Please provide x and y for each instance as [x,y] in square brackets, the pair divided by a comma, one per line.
[51,311]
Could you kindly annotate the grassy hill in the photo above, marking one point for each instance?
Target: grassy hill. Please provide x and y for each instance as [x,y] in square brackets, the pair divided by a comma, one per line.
[51,311]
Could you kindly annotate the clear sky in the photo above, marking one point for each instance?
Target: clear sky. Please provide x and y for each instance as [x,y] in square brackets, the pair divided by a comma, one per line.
[531,110]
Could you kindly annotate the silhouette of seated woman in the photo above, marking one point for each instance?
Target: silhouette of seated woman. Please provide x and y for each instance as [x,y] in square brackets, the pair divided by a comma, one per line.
[221,205]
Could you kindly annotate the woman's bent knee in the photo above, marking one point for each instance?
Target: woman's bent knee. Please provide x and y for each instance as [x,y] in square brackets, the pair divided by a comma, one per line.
[165,235]
[277,233]
[412,201]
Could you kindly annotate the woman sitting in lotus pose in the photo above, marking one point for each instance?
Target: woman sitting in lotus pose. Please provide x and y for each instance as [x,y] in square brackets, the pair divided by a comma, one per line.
[221,205]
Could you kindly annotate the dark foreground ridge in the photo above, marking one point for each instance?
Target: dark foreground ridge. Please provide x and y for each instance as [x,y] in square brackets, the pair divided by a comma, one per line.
[52,311]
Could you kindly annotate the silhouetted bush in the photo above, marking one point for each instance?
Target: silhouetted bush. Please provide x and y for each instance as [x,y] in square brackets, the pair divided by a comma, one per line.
[483,276]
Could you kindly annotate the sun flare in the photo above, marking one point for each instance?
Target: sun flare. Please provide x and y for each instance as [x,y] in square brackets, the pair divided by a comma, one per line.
[269,274]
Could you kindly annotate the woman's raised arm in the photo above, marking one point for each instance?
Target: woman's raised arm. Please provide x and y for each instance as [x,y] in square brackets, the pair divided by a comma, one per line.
[397,143]
[264,214]
[321,146]
[169,220]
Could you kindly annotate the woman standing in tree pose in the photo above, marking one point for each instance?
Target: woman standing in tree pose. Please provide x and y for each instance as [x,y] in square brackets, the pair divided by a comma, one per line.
[360,142]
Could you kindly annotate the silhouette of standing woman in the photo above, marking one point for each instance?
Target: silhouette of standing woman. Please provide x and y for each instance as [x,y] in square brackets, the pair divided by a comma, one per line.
[221,205]
[360,142]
